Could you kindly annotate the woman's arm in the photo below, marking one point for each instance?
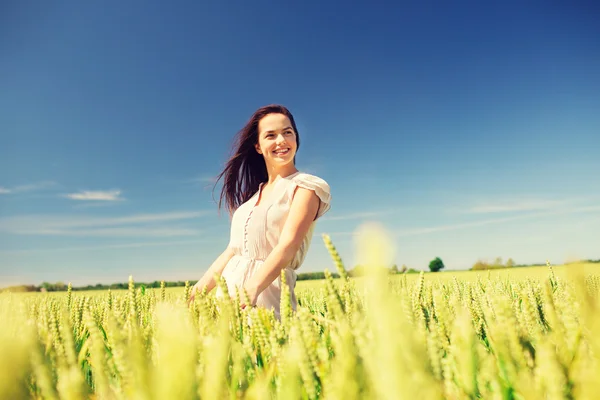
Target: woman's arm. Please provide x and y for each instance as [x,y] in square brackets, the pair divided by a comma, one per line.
[303,212]
[207,281]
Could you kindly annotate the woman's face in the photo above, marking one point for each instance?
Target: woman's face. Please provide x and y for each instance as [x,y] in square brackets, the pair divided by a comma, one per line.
[276,140]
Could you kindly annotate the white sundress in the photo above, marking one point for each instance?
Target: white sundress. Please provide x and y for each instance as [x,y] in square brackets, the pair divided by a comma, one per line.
[255,231]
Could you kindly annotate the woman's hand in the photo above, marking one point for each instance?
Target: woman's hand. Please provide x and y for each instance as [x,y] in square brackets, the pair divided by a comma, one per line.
[252,297]
[208,279]
[196,289]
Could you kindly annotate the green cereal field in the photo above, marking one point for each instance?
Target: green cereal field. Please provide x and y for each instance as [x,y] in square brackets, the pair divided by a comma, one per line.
[522,333]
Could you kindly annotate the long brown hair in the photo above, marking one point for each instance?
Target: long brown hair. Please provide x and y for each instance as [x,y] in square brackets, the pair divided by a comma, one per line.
[246,169]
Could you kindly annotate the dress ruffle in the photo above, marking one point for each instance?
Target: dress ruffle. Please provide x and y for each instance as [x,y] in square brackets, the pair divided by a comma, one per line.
[319,186]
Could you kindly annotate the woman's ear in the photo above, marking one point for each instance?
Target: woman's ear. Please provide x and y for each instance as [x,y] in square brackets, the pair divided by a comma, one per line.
[257,147]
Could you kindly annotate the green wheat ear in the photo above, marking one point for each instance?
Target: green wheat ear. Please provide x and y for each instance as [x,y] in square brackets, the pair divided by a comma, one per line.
[285,305]
[187,291]
[69,295]
[337,260]
[163,293]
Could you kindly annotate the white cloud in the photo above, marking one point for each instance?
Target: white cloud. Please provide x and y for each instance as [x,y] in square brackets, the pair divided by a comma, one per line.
[520,204]
[115,232]
[358,215]
[111,195]
[471,224]
[453,227]
[27,188]
[102,247]
[524,205]
[96,226]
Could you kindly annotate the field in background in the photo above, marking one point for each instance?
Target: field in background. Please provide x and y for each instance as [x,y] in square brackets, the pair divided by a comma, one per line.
[527,333]
[519,274]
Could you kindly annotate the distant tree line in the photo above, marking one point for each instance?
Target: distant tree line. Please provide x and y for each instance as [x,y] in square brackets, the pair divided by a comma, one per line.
[434,266]
[510,263]
[497,263]
[61,286]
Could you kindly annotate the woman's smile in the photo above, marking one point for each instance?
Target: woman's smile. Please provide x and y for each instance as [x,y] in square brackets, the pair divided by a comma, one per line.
[282,152]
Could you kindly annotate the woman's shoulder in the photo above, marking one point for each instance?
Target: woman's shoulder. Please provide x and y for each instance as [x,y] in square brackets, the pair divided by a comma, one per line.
[313,182]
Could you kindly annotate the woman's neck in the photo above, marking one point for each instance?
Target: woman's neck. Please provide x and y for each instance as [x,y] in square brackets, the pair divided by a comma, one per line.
[274,174]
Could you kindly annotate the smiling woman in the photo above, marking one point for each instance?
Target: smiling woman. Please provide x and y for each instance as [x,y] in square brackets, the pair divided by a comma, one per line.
[274,208]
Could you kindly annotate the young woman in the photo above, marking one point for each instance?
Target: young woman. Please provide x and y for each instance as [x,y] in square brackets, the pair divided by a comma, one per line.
[274,208]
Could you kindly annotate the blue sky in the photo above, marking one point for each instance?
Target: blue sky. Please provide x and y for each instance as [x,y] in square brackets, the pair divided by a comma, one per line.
[469,131]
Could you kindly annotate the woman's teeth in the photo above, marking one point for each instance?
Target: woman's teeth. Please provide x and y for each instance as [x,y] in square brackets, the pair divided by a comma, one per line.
[282,152]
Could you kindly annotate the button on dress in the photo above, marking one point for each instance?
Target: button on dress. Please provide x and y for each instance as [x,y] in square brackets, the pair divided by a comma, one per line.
[255,231]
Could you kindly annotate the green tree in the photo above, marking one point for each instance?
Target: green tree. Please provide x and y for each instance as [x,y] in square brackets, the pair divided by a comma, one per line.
[510,263]
[480,265]
[436,264]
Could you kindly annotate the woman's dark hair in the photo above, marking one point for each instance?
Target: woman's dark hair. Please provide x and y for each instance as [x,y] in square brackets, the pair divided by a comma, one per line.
[246,169]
